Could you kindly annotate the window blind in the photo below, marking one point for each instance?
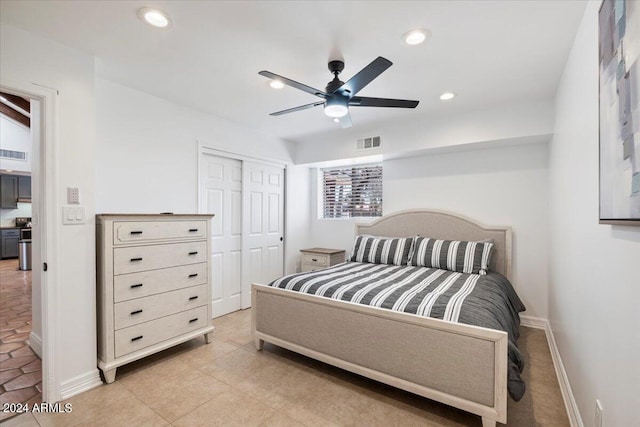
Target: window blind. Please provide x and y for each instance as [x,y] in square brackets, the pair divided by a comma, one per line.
[352,192]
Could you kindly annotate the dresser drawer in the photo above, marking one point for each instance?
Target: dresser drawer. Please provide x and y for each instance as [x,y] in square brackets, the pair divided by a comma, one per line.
[126,232]
[133,312]
[142,258]
[137,337]
[316,260]
[138,285]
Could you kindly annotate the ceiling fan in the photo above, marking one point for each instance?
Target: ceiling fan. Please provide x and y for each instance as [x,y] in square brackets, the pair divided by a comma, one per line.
[338,96]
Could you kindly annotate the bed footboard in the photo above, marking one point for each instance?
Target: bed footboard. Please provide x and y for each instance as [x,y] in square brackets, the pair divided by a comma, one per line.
[459,365]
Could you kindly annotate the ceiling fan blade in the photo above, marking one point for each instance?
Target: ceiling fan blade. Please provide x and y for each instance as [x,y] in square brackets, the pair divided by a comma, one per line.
[294,109]
[360,101]
[365,76]
[294,84]
[345,121]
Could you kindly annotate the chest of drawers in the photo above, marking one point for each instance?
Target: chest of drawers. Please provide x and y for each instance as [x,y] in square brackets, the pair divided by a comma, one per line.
[154,285]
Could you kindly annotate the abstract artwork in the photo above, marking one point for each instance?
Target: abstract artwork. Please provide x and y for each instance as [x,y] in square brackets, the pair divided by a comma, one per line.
[619,22]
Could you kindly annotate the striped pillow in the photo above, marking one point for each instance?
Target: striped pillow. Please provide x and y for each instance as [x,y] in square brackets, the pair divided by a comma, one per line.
[463,257]
[381,250]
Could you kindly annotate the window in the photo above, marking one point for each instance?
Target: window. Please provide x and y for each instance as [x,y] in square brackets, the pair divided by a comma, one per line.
[352,192]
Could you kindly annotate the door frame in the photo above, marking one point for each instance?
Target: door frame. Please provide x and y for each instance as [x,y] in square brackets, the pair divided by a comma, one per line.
[206,149]
[47,218]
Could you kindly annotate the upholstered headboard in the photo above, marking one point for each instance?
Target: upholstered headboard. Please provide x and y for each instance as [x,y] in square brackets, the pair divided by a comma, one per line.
[444,225]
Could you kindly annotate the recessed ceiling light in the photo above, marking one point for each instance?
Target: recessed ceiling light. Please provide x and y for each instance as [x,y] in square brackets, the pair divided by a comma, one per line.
[415,37]
[154,17]
[447,96]
[276,84]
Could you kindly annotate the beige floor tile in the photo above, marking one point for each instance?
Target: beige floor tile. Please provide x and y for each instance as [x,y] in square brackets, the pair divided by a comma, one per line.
[228,409]
[22,420]
[204,354]
[236,366]
[174,396]
[278,384]
[280,420]
[108,405]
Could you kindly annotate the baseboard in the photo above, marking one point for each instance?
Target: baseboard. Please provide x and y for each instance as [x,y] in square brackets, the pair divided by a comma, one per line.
[79,384]
[35,342]
[533,322]
[565,387]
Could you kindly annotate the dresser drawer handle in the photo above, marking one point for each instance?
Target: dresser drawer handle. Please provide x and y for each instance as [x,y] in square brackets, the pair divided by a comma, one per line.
[136,312]
[137,285]
[193,230]
[192,298]
[193,275]
[193,320]
[136,232]
[136,338]
[193,253]
[136,259]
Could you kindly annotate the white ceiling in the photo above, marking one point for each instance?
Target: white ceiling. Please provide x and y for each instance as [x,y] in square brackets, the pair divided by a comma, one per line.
[489,52]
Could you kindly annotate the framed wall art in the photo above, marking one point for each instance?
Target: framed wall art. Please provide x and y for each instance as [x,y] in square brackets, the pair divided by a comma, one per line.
[619,53]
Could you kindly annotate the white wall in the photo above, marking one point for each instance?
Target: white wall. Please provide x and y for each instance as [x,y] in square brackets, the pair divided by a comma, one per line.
[27,58]
[15,136]
[594,285]
[532,121]
[496,186]
[147,157]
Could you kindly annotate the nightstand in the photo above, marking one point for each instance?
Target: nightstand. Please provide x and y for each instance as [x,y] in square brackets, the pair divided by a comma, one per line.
[318,258]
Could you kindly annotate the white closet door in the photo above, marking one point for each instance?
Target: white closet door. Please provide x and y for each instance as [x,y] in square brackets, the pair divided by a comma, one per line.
[263,225]
[221,195]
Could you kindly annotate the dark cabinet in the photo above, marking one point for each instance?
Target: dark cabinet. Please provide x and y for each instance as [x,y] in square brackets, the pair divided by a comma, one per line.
[14,189]
[8,192]
[9,243]
[24,188]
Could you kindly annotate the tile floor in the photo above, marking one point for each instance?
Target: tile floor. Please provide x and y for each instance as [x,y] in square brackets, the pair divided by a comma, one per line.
[20,368]
[228,383]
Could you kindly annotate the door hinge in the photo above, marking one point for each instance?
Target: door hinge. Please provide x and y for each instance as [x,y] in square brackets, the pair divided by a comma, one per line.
[44,266]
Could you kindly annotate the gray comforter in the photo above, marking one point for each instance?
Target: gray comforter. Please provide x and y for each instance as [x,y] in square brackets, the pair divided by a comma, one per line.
[488,301]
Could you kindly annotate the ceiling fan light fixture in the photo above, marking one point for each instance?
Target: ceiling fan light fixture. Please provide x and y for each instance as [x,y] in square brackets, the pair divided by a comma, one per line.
[276,84]
[154,17]
[446,96]
[335,108]
[416,36]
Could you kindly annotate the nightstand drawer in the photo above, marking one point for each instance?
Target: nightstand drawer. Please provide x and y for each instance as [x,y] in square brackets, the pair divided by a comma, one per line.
[141,258]
[316,260]
[145,283]
[139,231]
[137,337]
[129,313]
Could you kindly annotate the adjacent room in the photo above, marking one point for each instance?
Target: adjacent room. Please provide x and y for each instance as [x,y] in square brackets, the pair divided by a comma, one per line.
[283,213]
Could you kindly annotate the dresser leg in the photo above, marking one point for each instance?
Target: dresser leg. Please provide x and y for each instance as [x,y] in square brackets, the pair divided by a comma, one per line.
[259,344]
[208,337]
[110,375]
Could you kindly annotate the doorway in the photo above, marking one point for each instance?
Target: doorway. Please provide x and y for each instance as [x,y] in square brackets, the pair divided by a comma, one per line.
[42,337]
[246,195]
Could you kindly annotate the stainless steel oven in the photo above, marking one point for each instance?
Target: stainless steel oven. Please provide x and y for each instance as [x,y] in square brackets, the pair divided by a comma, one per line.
[25,233]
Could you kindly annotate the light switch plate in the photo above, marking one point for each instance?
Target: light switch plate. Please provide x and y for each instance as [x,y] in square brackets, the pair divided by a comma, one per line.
[73,215]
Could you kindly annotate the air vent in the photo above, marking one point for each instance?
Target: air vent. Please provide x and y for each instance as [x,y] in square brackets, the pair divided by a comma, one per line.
[369,143]
[13,155]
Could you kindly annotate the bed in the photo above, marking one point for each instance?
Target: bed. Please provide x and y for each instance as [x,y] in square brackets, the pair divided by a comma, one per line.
[461,365]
